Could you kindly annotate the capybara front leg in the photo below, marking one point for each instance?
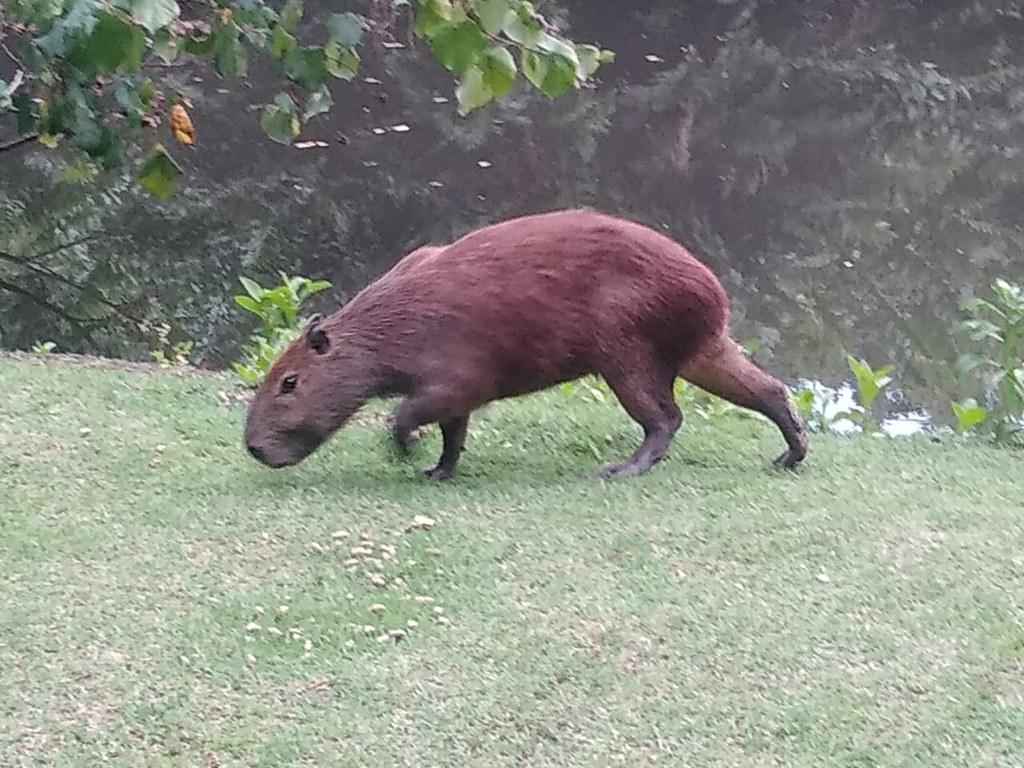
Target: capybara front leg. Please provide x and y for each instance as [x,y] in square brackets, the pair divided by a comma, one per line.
[647,396]
[725,371]
[428,407]
[453,433]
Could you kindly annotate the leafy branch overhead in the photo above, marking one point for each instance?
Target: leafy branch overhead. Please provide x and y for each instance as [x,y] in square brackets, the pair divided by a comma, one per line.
[82,68]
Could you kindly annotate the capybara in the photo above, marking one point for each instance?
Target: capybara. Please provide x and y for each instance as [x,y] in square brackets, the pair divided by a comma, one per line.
[513,308]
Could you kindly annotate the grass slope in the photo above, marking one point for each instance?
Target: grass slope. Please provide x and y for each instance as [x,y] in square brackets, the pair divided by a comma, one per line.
[865,612]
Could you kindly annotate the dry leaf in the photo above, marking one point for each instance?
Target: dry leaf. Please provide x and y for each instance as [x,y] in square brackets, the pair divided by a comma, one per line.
[420,522]
[181,124]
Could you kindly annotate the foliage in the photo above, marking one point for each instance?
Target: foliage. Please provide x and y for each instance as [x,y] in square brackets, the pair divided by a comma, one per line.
[44,347]
[999,324]
[84,66]
[870,383]
[278,311]
[168,354]
[968,414]
[822,409]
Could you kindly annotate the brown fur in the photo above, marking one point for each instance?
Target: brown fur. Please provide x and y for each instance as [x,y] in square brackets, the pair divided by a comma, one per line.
[509,309]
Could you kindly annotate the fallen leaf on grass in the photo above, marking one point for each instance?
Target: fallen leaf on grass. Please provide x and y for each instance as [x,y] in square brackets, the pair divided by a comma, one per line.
[420,522]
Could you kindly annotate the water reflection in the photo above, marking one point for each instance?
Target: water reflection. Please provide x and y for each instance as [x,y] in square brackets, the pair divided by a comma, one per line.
[850,170]
[830,402]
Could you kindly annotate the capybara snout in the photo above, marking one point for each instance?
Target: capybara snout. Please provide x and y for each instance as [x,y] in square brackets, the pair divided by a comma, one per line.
[513,308]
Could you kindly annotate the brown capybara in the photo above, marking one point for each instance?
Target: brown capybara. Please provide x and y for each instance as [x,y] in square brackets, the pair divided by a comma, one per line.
[509,309]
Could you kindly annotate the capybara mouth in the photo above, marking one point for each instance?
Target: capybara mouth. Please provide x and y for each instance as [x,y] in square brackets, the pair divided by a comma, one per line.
[261,456]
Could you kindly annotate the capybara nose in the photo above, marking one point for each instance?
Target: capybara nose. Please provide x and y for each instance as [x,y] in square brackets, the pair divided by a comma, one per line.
[257,452]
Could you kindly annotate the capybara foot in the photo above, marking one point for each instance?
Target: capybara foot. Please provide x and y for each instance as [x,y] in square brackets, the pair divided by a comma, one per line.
[789,459]
[626,468]
[439,472]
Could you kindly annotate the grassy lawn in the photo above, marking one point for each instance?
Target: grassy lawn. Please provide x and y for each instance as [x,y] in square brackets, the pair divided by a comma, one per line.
[166,601]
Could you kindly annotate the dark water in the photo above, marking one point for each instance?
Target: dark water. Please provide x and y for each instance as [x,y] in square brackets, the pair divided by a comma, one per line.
[850,169]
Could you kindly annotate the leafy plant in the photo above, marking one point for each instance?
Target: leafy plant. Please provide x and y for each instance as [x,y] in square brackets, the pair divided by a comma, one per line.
[968,414]
[82,66]
[869,383]
[999,324]
[278,311]
[168,354]
[820,407]
[44,347]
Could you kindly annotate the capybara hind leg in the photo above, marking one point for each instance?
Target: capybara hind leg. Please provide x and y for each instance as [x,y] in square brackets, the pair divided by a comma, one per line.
[725,371]
[646,394]
[453,433]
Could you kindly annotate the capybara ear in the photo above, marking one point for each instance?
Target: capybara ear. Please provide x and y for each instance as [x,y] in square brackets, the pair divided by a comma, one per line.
[316,336]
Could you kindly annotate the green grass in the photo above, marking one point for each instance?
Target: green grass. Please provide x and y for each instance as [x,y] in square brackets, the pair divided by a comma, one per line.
[866,611]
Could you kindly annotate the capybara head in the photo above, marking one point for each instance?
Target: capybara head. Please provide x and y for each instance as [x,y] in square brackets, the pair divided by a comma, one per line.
[299,404]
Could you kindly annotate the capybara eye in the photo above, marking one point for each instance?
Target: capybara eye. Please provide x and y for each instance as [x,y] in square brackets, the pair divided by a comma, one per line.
[288,384]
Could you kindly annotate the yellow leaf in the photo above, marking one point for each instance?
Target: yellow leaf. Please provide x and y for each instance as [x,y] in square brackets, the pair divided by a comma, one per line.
[48,140]
[181,125]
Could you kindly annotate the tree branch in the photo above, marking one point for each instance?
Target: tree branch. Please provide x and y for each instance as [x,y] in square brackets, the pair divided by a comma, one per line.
[46,272]
[14,143]
[41,302]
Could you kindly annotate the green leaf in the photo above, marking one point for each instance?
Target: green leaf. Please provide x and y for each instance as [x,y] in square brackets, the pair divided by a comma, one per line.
[557,47]
[493,14]
[155,14]
[230,58]
[199,45]
[281,42]
[113,45]
[499,70]
[160,174]
[130,102]
[291,15]
[166,45]
[458,46]
[560,76]
[246,302]
[306,66]
[472,92]
[345,29]
[523,28]
[280,120]
[253,288]
[968,414]
[589,58]
[341,62]
[76,25]
[319,101]
[431,16]
[978,330]
[535,68]
[968,362]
